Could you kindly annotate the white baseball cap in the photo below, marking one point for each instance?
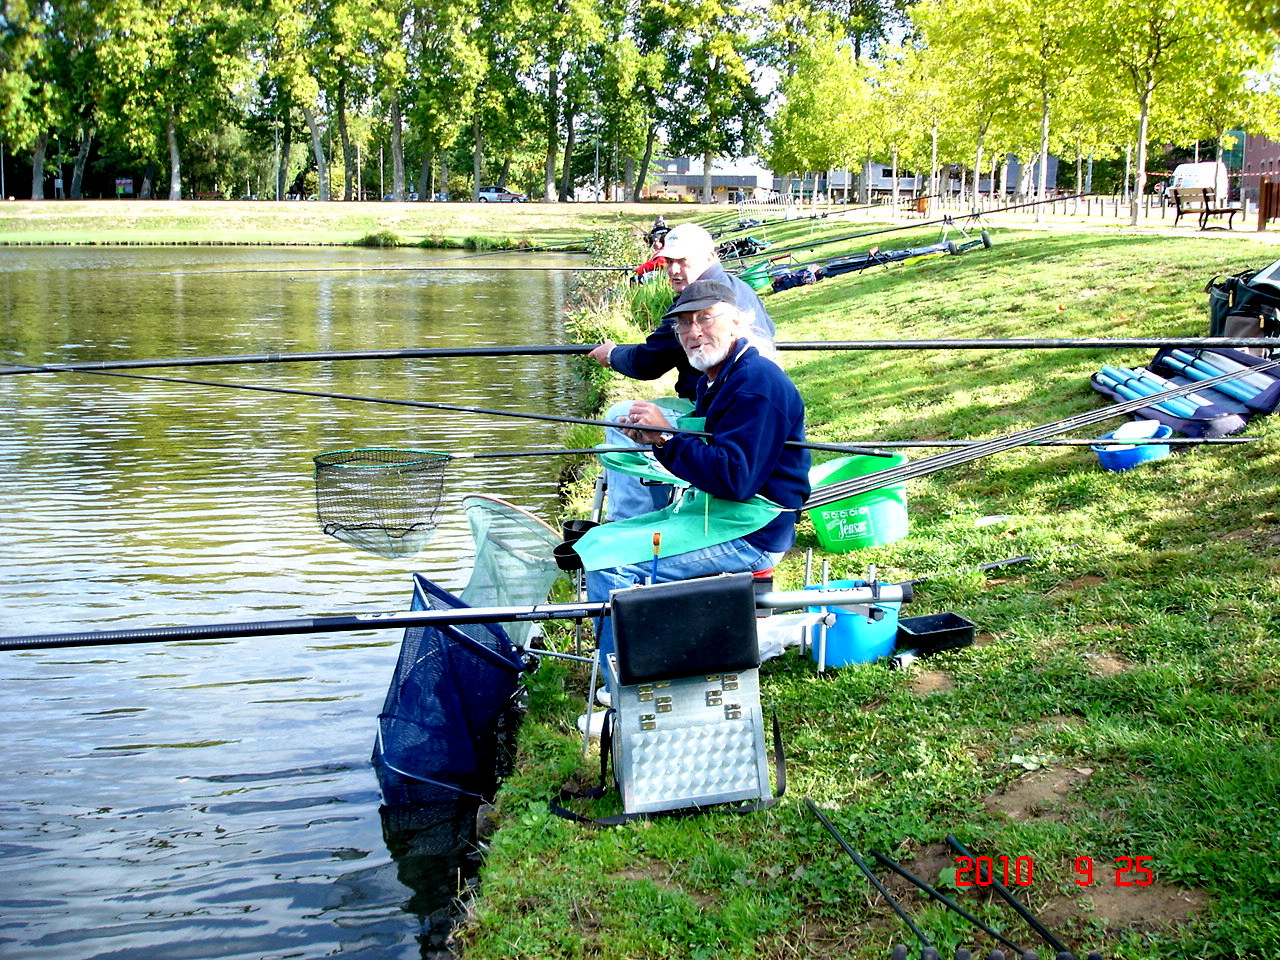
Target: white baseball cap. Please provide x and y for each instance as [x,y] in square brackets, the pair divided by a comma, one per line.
[687,240]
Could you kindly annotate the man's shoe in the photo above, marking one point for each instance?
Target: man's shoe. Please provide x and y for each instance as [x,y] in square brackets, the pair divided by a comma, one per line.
[592,724]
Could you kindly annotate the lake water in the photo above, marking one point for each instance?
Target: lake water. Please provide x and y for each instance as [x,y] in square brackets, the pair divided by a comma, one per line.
[215,799]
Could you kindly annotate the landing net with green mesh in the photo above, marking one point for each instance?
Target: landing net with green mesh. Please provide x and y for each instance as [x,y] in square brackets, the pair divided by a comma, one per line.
[380,499]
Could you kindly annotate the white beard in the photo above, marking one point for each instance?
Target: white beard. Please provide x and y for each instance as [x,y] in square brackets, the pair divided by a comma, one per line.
[705,356]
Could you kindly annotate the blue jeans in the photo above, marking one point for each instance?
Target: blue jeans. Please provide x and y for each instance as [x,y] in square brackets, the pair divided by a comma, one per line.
[735,556]
[626,495]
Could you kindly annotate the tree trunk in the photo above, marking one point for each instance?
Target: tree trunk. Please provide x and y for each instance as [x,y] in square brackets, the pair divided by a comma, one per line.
[317,151]
[344,137]
[37,167]
[1042,180]
[427,189]
[477,156]
[553,135]
[707,159]
[935,186]
[628,176]
[397,154]
[82,158]
[286,149]
[1144,107]
[977,169]
[175,158]
[505,173]
[565,193]
[894,158]
[642,173]
[148,180]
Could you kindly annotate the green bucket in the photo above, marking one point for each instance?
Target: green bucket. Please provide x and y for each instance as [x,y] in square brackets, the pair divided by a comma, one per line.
[867,520]
[757,277]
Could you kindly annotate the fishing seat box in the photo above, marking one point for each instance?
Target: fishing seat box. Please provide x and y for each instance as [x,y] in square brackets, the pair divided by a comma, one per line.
[688,729]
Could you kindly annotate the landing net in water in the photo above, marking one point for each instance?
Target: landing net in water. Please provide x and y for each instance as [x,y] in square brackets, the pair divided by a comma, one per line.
[379,499]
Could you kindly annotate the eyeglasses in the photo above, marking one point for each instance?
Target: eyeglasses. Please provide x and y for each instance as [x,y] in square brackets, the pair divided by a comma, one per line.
[685,324]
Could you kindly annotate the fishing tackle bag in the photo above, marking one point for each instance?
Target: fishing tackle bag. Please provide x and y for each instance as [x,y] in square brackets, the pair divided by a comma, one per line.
[1246,304]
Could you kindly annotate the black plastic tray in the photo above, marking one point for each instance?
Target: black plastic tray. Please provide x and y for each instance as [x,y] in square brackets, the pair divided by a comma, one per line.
[934,632]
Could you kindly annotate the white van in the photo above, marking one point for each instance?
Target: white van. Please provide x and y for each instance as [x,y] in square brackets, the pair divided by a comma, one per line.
[1209,174]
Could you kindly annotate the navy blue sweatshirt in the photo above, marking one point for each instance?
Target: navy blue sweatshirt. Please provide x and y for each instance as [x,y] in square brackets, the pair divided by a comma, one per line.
[752,408]
[661,350]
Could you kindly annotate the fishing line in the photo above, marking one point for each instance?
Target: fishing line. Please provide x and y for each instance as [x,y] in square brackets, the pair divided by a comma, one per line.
[414,268]
[534,350]
[456,408]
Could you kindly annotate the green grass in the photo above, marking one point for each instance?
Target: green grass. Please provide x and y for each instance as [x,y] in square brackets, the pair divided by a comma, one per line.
[1135,663]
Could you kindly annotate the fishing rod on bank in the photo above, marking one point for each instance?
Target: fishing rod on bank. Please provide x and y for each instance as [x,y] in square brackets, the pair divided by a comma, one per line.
[578,349]
[985,448]
[942,221]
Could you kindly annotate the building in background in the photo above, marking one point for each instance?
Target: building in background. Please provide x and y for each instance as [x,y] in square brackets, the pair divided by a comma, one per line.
[1260,160]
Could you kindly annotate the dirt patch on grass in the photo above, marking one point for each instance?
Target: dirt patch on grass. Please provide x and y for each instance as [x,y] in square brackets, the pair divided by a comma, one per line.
[1106,664]
[931,681]
[1079,583]
[1038,793]
[1122,909]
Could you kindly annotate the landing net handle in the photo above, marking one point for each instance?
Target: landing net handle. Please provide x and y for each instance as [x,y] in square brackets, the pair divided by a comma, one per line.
[379,491]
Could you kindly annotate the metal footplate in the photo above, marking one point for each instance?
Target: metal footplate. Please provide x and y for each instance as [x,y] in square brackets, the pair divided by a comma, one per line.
[689,742]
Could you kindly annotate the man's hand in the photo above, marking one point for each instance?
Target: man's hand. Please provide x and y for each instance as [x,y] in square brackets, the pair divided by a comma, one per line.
[601,353]
[645,414]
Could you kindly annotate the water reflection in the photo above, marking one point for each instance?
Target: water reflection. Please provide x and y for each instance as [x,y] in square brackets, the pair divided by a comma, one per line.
[215,799]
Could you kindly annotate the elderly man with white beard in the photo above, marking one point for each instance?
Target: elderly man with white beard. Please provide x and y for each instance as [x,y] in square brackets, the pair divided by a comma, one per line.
[747,479]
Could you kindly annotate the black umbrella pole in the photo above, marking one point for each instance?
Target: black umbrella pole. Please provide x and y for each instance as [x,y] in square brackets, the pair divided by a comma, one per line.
[897,907]
[1013,901]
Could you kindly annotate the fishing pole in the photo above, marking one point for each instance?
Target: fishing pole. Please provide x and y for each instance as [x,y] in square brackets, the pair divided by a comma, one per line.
[345,623]
[1013,901]
[456,408]
[424,267]
[573,349]
[1068,442]
[945,900]
[947,220]
[889,898]
[984,448]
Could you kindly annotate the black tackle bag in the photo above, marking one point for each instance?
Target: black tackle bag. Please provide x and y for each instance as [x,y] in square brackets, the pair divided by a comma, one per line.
[1246,304]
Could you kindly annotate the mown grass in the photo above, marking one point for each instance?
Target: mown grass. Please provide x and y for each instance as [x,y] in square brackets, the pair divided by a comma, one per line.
[1121,700]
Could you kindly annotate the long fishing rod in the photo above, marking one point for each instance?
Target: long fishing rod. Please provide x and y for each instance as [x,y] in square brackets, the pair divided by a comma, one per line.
[416,268]
[573,349]
[985,448]
[346,623]
[1069,442]
[947,220]
[457,408]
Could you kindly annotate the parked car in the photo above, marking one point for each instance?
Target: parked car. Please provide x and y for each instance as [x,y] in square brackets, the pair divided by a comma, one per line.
[499,195]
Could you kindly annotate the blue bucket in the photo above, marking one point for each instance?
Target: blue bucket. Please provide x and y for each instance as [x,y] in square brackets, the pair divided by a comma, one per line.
[1121,456]
[855,637]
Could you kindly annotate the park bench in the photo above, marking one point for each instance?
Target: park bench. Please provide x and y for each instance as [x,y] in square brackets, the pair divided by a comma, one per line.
[1201,202]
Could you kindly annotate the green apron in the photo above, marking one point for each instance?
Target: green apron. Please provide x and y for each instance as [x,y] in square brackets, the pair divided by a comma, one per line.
[640,463]
[695,520]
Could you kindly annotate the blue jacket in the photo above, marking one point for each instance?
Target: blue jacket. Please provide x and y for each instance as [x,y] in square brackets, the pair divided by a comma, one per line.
[661,350]
[751,410]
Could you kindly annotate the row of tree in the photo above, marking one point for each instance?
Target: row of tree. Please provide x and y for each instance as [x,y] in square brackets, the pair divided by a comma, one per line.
[548,94]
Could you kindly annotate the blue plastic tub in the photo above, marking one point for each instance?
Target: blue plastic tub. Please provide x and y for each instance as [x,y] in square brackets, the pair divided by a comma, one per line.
[855,637]
[1122,456]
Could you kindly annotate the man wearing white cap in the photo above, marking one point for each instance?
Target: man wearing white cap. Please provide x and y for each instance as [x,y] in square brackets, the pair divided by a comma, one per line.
[690,254]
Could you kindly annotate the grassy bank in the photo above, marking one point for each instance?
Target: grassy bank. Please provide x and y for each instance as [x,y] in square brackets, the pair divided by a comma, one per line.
[1120,700]
[231,221]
